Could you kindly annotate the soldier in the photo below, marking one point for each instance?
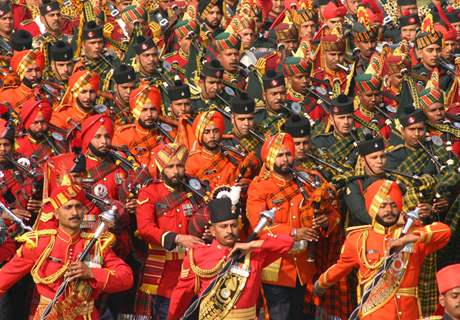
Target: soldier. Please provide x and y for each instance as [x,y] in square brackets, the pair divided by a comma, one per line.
[165,214]
[332,15]
[123,83]
[28,65]
[6,29]
[383,201]
[306,22]
[210,12]
[449,292]
[340,143]
[121,29]
[147,59]
[372,159]
[52,255]
[409,25]
[61,64]
[391,82]
[180,104]
[285,280]
[78,101]
[39,141]
[204,262]
[142,137]
[407,7]
[185,32]
[365,40]
[454,19]
[228,53]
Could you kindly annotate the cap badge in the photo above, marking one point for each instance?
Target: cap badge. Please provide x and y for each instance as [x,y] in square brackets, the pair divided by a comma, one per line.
[274,83]
[335,109]
[1,13]
[218,74]
[182,94]
[2,174]
[301,131]
[411,120]
[48,8]
[376,145]
[412,20]
[144,46]
[129,77]
[245,108]
[90,34]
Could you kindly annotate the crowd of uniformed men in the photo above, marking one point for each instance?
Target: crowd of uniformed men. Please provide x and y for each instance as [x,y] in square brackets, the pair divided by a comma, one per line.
[224,159]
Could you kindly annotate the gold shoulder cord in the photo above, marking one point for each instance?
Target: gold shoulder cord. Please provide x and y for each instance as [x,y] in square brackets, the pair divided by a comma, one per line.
[205,273]
[45,254]
[362,254]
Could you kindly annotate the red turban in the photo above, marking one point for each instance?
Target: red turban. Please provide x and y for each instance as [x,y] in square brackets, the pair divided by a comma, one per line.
[274,145]
[448,278]
[91,125]
[204,119]
[331,11]
[378,191]
[21,60]
[142,96]
[32,108]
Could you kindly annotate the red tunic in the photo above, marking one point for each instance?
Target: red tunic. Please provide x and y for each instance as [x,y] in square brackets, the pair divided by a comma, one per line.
[110,273]
[384,129]
[314,110]
[207,256]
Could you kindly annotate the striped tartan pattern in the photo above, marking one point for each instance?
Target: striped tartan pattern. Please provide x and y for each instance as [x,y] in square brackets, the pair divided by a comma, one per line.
[341,149]
[427,288]
[101,170]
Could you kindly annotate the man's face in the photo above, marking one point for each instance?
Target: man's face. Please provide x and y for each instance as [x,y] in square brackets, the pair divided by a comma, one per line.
[456,25]
[39,125]
[174,171]
[395,80]
[283,161]
[33,73]
[332,58]
[225,232]
[413,133]
[148,115]
[242,123]
[275,97]
[333,22]
[410,9]
[5,149]
[369,99]
[213,17]
[343,123]
[299,82]
[70,215]
[247,36]
[184,44]
[352,6]
[210,86]
[290,45]
[52,20]
[307,30]
[366,48]
[63,69]
[87,96]
[302,146]
[277,6]
[388,212]
[6,23]
[149,60]
[181,107]
[430,55]
[448,50]
[408,33]
[211,137]
[93,48]
[374,163]
[123,90]
[435,112]
[229,59]
[450,301]
[101,140]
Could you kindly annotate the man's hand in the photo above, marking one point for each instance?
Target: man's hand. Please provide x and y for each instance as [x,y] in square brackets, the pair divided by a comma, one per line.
[188,241]
[207,235]
[21,214]
[131,205]
[245,247]
[308,234]
[318,290]
[425,210]
[440,205]
[34,205]
[79,270]
[409,238]
[320,221]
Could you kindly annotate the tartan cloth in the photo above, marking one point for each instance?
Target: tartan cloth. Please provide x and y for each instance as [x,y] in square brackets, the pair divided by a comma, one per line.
[249,143]
[450,254]
[287,192]
[217,165]
[427,288]
[341,149]
[101,170]
[171,201]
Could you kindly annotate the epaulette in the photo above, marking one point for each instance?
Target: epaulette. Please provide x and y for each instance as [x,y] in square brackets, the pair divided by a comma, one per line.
[391,148]
[125,126]
[260,64]
[108,29]
[30,238]
[351,230]
[26,22]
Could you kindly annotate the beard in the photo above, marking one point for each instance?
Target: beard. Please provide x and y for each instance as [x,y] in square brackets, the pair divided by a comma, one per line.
[30,84]
[97,153]
[211,147]
[280,170]
[386,224]
[147,126]
[173,182]
[38,136]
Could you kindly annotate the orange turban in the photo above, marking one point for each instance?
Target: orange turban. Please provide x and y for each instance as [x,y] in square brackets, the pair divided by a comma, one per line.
[32,108]
[204,119]
[80,79]
[378,191]
[142,96]
[91,125]
[273,146]
[21,60]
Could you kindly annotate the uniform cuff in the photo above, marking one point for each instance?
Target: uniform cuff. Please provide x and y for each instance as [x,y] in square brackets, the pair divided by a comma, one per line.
[168,240]
[101,277]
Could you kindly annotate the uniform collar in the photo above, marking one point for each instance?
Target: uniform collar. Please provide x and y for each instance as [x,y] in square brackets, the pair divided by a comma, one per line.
[378,228]
[63,235]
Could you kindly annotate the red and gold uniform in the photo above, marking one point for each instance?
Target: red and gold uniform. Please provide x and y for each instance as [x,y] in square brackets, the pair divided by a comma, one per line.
[162,214]
[69,113]
[140,141]
[366,247]
[270,190]
[314,110]
[46,254]
[216,168]
[20,62]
